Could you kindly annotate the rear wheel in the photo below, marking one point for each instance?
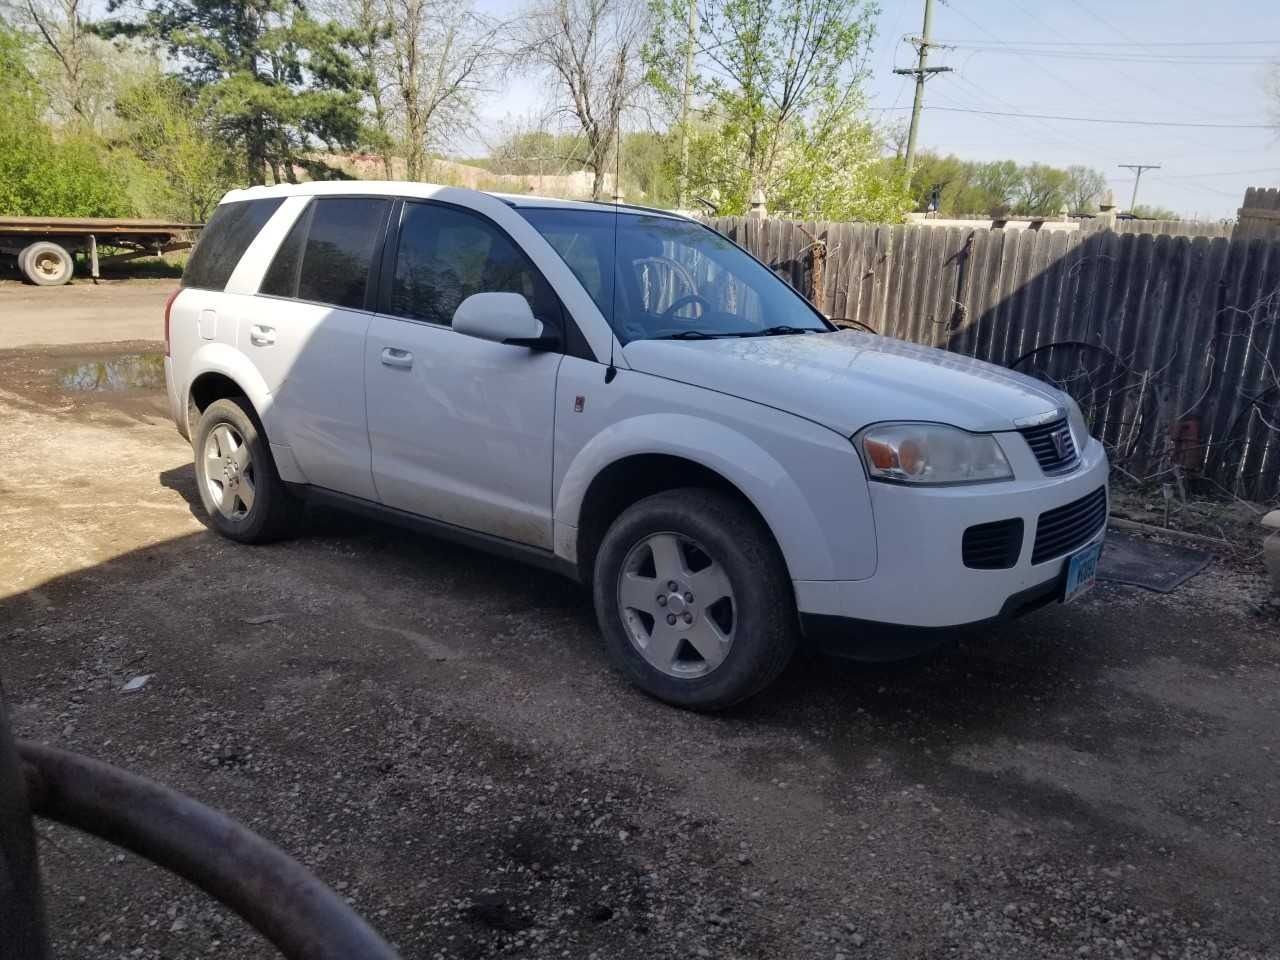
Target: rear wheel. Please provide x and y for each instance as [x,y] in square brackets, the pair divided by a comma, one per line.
[694,600]
[236,476]
[47,264]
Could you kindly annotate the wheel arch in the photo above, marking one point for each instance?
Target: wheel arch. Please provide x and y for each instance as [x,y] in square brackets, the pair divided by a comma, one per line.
[224,373]
[640,457]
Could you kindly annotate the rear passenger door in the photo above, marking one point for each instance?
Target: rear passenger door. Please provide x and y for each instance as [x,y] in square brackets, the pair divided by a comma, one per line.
[306,332]
[460,428]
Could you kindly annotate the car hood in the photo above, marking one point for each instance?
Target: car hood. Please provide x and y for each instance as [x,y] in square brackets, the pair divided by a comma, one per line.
[848,379]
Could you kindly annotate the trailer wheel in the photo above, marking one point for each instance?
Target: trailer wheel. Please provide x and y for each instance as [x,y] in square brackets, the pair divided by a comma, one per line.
[46,264]
[21,259]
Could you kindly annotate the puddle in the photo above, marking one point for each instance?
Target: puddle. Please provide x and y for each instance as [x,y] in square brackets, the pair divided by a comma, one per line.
[132,371]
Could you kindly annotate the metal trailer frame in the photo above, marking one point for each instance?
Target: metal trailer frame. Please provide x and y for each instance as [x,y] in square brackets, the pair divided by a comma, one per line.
[271,891]
[139,238]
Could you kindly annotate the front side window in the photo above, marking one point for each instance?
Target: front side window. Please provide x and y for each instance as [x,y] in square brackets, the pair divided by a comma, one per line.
[657,277]
[224,240]
[328,254]
[446,254]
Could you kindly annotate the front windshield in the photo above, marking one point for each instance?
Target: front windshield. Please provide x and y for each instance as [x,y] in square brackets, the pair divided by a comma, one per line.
[671,279]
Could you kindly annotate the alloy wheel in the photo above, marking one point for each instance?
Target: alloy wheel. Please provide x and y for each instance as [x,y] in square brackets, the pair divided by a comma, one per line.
[677,605]
[229,474]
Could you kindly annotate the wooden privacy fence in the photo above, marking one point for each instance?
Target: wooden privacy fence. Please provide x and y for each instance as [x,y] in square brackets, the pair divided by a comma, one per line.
[1169,343]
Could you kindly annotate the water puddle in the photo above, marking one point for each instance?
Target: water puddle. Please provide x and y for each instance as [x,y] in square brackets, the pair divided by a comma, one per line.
[132,371]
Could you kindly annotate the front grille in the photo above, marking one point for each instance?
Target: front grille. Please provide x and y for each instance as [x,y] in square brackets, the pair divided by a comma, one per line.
[1062,529]
[1053,445]
[993,546]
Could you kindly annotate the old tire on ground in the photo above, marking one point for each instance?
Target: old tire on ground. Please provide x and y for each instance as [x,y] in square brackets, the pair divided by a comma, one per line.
[694,599]
[47,264]
[236,476]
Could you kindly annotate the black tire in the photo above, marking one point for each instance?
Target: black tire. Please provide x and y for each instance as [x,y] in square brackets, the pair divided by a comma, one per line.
[274,513]
[764,616]
[47,264]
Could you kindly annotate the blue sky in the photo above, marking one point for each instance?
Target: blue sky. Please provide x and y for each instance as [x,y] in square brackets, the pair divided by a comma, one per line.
[1006,65]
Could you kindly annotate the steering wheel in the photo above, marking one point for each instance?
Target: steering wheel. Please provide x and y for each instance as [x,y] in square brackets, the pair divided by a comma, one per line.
[668,314]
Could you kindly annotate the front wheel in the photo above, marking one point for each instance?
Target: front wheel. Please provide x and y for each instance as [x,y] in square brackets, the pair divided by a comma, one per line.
[236,476]
[694,599]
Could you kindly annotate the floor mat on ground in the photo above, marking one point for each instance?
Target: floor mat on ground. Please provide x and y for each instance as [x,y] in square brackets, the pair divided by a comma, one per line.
[1162,567]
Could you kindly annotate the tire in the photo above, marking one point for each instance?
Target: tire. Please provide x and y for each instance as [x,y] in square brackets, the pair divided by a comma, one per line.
[21,259]
[719,545]
[241,491]
[47,264]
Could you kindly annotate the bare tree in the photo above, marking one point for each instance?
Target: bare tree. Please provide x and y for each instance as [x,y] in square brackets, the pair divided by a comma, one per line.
[77,71]
[591,51]
[441,54]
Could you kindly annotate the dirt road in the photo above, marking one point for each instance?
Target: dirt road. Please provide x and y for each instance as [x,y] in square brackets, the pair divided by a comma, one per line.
[436,733]
[83,312]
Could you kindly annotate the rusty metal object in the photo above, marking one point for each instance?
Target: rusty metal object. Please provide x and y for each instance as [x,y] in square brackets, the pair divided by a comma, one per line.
[21,906]
[271,891]
[98,225]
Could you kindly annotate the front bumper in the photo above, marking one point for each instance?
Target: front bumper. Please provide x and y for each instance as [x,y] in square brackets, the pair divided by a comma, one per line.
[920,578]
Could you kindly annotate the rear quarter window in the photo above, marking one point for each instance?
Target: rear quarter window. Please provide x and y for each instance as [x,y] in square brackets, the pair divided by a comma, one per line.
[224,240]
[328,255]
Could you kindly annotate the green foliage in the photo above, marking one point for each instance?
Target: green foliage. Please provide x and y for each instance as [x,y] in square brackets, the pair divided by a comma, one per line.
[780,106]
[273,81]
[1000,187]
[1085,188]
[41,175]
[178,166]
[1150,212]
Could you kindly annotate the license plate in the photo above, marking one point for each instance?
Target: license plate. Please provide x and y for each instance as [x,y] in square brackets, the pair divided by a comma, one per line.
[1082,572]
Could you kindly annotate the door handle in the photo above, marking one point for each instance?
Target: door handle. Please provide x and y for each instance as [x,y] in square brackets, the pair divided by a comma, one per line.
[261,336]
[395,357]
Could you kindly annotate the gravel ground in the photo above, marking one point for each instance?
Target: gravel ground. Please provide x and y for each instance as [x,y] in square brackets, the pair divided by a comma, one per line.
[437,735]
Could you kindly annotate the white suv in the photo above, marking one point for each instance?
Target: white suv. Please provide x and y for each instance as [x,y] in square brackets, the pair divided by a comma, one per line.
[625,396]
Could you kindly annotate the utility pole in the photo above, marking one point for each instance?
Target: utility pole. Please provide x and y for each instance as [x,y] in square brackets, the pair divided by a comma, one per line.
[686,93]
[921,71]
[1137,168]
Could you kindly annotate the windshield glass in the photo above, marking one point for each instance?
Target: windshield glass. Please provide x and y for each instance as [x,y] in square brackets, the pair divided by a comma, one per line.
[671,278]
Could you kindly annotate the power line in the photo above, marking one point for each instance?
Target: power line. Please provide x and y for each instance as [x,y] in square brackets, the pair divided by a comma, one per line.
[1125,43]
[1126,122]
[1217,173]
[1222,60]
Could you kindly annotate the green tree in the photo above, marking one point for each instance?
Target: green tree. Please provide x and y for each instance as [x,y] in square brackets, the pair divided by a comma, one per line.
[1145,211]
[276,82]
[41,175]
[1085,187]
[184,169]
[779,86]
[1043,190]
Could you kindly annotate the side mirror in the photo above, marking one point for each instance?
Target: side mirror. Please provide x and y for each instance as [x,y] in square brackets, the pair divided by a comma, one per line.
[502,318]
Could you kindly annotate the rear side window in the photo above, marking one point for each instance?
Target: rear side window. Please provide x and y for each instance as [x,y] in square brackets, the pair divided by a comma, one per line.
[328,254]
[224,240]
[446,254]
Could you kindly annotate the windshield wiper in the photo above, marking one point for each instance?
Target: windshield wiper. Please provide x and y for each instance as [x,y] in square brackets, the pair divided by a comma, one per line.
[781,330]
[693,335]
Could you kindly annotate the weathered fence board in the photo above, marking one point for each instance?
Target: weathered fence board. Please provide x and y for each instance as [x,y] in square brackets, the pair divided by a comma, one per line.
[1168,340]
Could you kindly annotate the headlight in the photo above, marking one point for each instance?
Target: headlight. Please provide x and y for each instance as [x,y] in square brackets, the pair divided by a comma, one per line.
[1079,429]
[930,453]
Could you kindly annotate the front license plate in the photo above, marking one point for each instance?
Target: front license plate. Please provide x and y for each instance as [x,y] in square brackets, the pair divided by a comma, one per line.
[1082,572]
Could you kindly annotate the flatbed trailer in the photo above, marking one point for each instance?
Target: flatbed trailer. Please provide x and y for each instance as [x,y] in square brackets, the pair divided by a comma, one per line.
[45,247]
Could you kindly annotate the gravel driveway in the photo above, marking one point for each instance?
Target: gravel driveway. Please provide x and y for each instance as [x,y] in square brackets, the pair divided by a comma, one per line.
[436,733]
